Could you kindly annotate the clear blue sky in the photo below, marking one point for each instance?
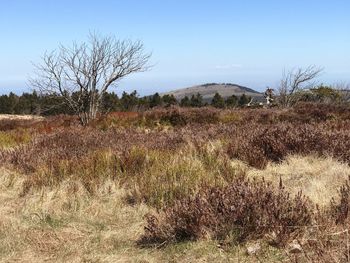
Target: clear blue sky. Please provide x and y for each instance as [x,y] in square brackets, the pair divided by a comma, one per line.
[193,41]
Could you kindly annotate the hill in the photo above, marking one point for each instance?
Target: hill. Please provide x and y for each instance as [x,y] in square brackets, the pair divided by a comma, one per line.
[208,91]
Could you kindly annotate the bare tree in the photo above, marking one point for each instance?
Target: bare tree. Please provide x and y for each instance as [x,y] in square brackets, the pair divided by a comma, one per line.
[296,80]
[82,73]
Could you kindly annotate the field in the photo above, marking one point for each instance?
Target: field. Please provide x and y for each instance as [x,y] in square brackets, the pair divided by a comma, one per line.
[177,185]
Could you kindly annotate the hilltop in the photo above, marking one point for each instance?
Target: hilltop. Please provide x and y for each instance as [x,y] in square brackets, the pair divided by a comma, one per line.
[208,91]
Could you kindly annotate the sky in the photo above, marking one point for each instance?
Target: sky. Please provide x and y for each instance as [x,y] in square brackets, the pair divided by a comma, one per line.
[192,42]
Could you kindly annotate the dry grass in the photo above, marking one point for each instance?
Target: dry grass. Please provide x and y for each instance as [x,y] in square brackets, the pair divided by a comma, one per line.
[63,224]
[318,178]
[66,224]
[19,117]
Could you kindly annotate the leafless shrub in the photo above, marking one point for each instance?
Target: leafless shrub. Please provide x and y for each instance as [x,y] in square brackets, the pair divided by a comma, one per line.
[243,210]
[295,80]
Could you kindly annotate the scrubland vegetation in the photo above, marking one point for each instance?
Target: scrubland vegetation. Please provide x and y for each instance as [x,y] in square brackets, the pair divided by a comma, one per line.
[178,185]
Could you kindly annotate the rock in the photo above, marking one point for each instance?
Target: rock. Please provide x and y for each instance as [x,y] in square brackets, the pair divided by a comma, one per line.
[295,247]
[253,249]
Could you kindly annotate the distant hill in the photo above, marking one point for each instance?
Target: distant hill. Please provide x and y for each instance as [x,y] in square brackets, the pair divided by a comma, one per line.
[208,91]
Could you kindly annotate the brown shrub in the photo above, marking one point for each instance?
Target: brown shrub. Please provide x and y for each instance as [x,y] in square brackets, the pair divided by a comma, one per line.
[75,143]
[12,124]
[300,114]
[258,144]
[321,111]
[245,209]
[340,207]
[54,123]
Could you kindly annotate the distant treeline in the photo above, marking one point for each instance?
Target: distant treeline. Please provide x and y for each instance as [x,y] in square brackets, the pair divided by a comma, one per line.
[33,103]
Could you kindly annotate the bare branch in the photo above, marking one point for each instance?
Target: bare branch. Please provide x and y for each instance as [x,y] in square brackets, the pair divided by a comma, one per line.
[296,80]
[82,73]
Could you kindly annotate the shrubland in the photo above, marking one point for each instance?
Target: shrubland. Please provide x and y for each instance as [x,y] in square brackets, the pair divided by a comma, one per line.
[191,184]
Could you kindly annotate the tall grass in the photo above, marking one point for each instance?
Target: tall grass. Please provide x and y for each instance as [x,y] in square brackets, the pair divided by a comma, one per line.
[14,138]
[156,177]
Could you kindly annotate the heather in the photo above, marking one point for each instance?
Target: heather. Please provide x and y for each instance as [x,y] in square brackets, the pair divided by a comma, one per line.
[186,178]
[243,209]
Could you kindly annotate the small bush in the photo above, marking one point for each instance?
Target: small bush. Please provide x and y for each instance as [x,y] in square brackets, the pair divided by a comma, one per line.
[243,210]
[340,207]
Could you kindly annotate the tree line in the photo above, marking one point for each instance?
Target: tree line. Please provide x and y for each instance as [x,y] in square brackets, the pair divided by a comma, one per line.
[53,104]
[77,79]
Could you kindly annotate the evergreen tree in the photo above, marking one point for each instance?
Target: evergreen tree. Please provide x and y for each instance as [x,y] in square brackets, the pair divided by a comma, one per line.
[143,103]
[27,103]
[155,100]
[52,105]
[218,101]
[129,102]
[5,106]
[196,100]
[169,100]
[12,103]
[185,102]
[110,102]
[232,101]
[243,100]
